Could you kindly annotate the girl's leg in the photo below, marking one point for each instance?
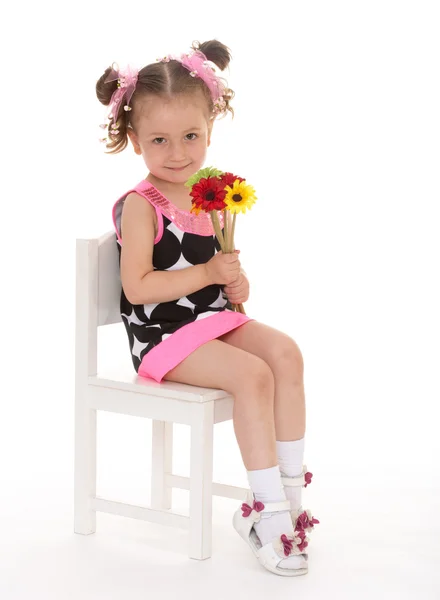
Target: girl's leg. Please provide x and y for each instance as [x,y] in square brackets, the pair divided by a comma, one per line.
[284,358]
[250,380]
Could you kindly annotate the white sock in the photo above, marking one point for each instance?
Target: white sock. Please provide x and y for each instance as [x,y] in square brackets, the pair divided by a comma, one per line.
[267,487]
[290,460]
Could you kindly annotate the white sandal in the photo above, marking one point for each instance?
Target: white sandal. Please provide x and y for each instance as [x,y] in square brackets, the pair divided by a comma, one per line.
[272,553]
[302,519]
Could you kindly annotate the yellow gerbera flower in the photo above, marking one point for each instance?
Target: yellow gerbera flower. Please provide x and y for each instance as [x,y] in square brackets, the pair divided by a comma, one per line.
[195,210]
[240,197]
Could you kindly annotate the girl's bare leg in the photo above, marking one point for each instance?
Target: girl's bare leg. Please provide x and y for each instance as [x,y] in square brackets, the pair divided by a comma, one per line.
[250,380]
[284,358]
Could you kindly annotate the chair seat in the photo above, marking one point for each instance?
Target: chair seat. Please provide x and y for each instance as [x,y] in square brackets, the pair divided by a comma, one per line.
[125,378]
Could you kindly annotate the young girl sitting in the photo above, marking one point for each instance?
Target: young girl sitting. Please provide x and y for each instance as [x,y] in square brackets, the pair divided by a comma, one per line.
[178,291]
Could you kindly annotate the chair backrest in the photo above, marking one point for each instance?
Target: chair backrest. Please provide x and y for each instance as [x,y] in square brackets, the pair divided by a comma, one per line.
[98,293]
[109,280]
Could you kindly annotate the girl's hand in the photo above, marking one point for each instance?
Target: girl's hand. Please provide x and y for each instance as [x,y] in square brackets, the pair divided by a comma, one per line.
[238,291]
[223,268]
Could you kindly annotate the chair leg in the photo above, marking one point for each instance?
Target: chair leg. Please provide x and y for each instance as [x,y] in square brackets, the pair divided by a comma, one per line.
[161,464]
[85,469]
[200,511]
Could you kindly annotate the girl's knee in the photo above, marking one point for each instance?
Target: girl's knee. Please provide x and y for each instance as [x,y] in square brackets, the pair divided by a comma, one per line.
[257,379]
[287,358]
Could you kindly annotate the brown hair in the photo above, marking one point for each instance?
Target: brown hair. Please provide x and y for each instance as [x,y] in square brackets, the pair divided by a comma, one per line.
[162,79]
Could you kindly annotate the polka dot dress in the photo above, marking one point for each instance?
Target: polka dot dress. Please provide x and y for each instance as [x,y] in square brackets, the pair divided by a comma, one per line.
[162,335]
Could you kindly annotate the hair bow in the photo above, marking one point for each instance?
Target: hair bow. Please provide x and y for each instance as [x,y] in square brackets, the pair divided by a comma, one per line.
[127,80]
[198,66]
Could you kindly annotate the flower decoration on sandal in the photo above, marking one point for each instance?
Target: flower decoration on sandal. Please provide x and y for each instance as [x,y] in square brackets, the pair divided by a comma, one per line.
[305,521]
[287,544]
[308,478]
[294,544]
[252,511]
[213,190]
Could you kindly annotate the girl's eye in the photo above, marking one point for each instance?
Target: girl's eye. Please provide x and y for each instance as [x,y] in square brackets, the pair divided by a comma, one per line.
[159,140]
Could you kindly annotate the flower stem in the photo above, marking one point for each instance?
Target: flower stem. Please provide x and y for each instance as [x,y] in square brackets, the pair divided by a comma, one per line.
[226,227]
[239,308]
[226,242]
[233,232]
[217,229]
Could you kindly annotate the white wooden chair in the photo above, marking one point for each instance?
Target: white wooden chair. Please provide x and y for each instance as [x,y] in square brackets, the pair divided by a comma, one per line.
[98,289]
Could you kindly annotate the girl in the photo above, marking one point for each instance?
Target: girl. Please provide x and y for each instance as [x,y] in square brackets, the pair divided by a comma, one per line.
[178,290]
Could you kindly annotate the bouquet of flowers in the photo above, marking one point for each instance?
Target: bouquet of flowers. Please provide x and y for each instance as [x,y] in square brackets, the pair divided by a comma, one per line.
[215,192]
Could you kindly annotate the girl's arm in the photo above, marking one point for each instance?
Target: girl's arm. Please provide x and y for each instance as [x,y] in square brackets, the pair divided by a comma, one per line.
[141,284]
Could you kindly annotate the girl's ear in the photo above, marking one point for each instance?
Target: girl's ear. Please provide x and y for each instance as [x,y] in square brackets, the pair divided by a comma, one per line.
[134,140]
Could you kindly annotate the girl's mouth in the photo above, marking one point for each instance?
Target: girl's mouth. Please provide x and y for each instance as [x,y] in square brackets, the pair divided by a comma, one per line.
[178,169]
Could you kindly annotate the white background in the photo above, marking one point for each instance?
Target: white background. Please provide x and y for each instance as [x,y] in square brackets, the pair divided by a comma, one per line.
[337,127]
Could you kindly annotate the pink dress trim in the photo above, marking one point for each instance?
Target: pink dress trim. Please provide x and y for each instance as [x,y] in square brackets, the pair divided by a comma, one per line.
[174,349]
[200,224]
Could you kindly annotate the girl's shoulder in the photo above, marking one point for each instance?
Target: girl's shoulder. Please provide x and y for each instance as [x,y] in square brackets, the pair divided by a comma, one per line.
[136,202]
[136,206]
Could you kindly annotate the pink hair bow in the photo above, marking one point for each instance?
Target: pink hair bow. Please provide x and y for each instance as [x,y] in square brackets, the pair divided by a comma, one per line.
[127,80]
[198,66]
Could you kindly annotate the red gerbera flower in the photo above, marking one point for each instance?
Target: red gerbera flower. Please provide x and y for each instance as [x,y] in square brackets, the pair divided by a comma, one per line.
[208,194]
[229,178]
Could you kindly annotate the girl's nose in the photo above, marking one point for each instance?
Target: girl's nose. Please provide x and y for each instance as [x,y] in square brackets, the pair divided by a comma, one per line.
[177,152]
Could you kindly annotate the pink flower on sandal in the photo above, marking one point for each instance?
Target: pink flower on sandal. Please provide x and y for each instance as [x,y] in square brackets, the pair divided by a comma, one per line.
[308,478]
[252,511]
[287,544]
[293,544]
[302,545]
[305,521]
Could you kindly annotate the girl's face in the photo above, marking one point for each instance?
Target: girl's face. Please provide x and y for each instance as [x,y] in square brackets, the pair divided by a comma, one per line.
[172,135]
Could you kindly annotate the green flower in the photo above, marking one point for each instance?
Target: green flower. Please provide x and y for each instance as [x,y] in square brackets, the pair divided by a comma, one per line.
[203,173]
